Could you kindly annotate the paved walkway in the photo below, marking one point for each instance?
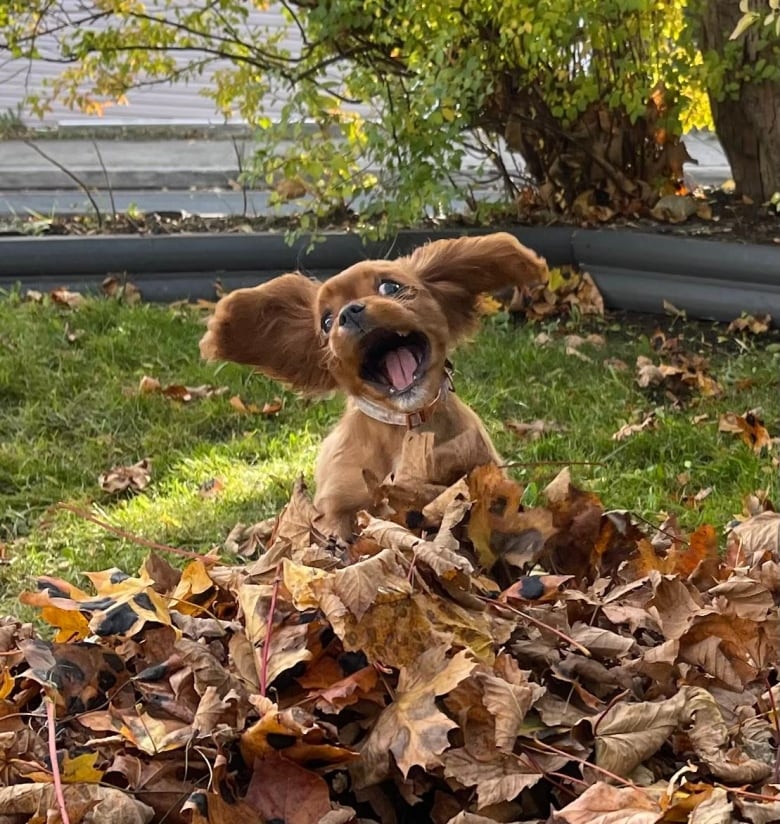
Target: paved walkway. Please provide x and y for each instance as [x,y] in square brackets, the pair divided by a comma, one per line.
[180,174]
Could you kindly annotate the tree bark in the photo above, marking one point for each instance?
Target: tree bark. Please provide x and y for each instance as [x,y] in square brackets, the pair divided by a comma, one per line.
[748,124]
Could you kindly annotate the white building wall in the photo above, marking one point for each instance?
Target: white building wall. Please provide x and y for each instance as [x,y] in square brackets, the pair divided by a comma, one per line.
[163,104]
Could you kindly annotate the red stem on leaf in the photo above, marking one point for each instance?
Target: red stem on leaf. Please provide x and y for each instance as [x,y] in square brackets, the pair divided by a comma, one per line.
[51,722]
[269,631]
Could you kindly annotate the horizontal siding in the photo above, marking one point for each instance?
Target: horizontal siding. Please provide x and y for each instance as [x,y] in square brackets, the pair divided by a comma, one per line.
[164,104]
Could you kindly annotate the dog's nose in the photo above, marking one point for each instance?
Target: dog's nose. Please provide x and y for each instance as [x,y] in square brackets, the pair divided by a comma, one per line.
[350,314]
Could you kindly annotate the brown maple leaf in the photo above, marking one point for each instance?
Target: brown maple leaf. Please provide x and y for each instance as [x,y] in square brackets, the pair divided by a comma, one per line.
[412,728]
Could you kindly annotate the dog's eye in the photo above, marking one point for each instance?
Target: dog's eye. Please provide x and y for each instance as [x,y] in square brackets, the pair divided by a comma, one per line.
[388,288]
[326,323]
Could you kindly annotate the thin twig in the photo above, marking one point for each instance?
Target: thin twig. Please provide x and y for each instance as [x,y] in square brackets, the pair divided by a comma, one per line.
[619,697]
[80,183]
[536,622]
[510,464]
[545,747]
[748,794]
[51,723]
[137,539]
[105,177]
[240,180]
[773,705]
[658,528]
[552,775]
[269,631]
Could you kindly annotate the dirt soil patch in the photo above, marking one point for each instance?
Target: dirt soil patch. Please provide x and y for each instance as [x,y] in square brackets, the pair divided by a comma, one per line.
[728,218]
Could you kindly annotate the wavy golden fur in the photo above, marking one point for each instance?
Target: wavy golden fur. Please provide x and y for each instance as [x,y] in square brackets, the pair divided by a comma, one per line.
[380,331]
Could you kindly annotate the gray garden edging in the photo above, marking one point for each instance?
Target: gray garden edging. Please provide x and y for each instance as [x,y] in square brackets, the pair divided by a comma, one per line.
[633,270]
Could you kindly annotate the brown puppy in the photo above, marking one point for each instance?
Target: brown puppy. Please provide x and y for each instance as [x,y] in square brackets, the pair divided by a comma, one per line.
[379,331]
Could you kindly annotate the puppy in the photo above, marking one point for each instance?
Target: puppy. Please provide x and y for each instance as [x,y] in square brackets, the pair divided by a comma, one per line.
[380,331]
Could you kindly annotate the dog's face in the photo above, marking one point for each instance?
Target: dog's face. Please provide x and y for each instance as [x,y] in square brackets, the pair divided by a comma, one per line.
[386,334]
[380,329]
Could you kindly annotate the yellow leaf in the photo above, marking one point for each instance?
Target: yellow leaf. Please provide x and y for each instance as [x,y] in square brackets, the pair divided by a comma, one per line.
[71,625]
[487,305]
[81,769]
[7,684]
[195,590]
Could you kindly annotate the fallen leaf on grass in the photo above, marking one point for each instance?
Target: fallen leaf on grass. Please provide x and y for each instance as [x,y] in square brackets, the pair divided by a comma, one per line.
[121,478]
[575,341]
[749,427]
[211,488]
[534,430]
[64,297]
[628,429]
[179,392]
[695,499]
[755,325]
[268,409]
[121,289]
[616,364]
[689,374]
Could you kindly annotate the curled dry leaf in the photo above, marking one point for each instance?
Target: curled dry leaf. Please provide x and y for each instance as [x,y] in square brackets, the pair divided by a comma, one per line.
[629,429]
[211,488]
[749,427]
[575,341]
[179,392]
[64,297]
[534,430]
[121,478]
[121,289]
[755,325]
[689,374]
[268,409]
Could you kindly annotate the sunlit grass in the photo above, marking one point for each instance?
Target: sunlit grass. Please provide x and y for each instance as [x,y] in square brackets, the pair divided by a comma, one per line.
[70,409]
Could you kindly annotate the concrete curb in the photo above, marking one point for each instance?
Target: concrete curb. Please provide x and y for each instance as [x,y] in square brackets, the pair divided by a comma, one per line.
[633,270]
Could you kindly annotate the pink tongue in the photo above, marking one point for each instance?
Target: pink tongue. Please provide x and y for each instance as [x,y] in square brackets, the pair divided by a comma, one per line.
[399,366]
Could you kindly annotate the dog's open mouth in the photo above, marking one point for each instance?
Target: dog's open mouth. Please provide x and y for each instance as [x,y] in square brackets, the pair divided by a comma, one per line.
[393,361]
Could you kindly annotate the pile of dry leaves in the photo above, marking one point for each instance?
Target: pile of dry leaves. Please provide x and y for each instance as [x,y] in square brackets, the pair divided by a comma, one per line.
[496,663]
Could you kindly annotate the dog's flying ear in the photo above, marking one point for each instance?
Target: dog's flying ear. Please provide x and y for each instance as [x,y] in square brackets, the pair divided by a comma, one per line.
[272,327]
[457,271]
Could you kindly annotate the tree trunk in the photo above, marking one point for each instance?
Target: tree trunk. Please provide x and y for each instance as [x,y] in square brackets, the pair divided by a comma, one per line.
[748,124]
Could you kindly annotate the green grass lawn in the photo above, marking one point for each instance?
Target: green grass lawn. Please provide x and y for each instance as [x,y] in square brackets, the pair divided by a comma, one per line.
[70,409]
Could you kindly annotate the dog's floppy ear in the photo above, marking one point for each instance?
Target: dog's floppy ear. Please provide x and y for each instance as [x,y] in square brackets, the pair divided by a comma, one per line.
[272,327]
[457,271]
